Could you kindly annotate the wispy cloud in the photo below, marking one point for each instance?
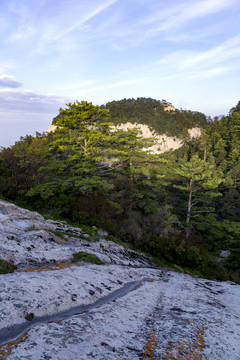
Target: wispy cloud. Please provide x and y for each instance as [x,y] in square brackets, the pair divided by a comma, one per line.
[102,88]
[106,49]
[229,49]
[204,74]
[180,15]
[23,23]
[86,18]
[188,64]
[79,85]
[6,67]
[170,21]
[116,84]
[46,27]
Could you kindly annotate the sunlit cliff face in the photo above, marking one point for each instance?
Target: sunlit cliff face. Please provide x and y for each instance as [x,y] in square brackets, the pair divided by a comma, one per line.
[164,142]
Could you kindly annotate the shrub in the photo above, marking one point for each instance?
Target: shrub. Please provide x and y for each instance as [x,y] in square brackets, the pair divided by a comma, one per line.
[81,255]
[6,267]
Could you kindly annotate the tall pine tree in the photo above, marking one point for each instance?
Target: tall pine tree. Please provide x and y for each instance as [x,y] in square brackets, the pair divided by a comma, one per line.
[199,185]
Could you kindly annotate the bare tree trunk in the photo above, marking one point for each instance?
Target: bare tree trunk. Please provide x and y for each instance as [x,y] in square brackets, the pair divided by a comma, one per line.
[205,155]
[189,209]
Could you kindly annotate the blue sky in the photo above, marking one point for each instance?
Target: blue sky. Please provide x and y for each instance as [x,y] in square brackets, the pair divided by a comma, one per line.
[55,51]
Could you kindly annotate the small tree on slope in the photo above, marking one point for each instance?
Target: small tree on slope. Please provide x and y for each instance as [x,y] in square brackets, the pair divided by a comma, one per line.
[199,184]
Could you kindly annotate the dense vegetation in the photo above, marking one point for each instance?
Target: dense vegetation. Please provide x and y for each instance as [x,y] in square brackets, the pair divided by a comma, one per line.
[152,112]
[182,207]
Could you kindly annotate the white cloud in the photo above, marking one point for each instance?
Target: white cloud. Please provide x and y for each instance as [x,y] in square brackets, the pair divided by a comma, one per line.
[9,81]
[29,101]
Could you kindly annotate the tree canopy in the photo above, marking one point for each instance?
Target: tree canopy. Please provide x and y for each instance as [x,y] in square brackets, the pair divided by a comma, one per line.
[152,112]
[182,206]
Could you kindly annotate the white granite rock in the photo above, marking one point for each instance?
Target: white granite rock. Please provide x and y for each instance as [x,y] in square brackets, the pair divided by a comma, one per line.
[26,239]
[108,312]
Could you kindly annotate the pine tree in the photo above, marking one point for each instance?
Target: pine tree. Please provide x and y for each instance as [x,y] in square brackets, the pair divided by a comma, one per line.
[199,184]
[86,154]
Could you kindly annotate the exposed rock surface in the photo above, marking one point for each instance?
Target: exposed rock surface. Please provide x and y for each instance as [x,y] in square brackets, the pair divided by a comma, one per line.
[118,311]
[26,238]
[164,142]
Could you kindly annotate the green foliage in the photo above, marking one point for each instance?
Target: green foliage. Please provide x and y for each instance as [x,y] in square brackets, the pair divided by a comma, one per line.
[83,217]
[216,232]
[21,164]
[6,267]
[235,109]
[199,184]
[83,256]
[45,191]
[214,270]
[118,241]
[199,172]
[176,251]
[151,112]
[86,185]
[78,114]
[90,174]
[62,234]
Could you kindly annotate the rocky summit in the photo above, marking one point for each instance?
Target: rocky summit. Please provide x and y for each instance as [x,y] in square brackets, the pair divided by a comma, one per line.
[126,308]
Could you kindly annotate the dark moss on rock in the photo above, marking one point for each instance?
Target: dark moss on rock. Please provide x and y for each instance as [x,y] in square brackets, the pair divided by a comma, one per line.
[6,267]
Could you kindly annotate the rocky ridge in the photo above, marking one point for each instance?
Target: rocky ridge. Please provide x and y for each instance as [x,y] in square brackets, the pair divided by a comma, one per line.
[163,142]
[126,309]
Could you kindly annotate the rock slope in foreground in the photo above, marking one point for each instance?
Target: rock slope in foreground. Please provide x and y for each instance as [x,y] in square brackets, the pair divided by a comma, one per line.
[126,309]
